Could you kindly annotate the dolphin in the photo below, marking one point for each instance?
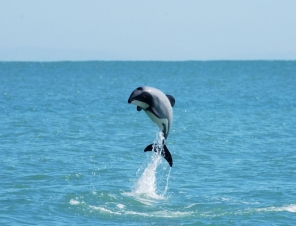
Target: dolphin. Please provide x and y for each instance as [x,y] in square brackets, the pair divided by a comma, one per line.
[158,107]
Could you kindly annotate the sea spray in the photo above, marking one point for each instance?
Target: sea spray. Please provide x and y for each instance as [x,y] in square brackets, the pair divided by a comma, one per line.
[154,179]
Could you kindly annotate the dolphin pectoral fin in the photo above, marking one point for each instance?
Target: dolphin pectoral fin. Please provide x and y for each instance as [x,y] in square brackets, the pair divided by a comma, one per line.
[154,111]
[165,153]
[139,108]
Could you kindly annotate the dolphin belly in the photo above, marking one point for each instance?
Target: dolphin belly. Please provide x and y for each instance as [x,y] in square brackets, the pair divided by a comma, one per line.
[141,104]
[162,123]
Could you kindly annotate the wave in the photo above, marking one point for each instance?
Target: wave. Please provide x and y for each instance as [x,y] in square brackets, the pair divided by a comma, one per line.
[289,208]
[121,209]
[192,210]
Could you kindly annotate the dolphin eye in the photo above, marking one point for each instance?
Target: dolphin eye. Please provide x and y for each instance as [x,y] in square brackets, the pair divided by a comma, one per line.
[140,88]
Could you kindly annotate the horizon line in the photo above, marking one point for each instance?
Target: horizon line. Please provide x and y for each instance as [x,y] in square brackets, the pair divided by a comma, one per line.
[209,60]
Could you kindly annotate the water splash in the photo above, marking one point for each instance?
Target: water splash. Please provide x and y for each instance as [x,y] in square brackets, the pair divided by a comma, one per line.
[153,181]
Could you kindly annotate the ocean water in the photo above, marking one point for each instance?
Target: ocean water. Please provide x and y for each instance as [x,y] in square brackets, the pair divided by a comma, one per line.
[71,147]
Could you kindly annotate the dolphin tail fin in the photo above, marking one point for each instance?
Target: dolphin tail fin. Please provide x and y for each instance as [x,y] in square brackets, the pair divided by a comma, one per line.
[164,152]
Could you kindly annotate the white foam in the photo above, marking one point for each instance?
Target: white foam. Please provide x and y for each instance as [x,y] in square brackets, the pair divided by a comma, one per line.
[104,210]
[153,182]
[74,202]
[289,208]
[191,205]
[120,206]
[170,214]
[159,214]
[146,184]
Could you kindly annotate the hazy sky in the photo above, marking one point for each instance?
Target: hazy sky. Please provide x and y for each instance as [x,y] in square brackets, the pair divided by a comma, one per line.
[147,30]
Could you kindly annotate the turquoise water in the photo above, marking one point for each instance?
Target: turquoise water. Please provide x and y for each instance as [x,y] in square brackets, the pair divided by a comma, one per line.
[71,149]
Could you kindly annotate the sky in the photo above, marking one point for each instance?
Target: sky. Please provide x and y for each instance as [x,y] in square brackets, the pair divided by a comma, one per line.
[166,30]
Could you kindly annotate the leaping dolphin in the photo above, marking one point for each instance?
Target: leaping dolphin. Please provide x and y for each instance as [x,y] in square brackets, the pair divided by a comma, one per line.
[158,107]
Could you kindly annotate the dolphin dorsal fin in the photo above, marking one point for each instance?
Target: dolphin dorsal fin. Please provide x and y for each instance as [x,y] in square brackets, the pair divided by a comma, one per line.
[171,99]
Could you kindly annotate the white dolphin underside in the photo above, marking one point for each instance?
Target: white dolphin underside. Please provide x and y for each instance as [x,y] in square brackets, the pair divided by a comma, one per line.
[158,121]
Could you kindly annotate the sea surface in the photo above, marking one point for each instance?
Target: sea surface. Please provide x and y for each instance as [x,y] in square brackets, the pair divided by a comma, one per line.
[71,147]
